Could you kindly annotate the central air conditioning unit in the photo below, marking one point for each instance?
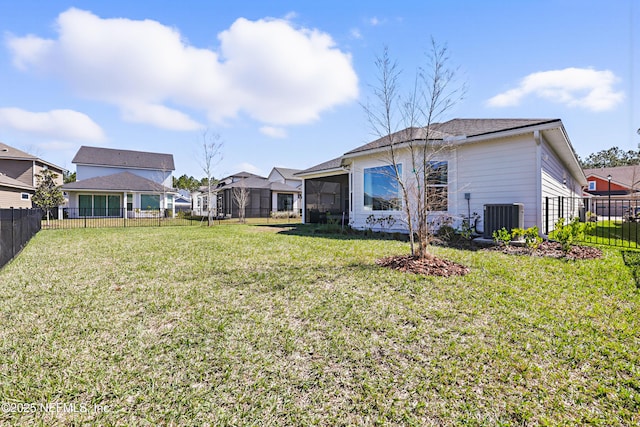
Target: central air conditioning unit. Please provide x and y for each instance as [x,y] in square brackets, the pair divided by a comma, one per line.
[496,217]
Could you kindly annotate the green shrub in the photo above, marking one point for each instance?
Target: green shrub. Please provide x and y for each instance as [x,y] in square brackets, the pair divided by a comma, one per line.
[502,237]
[569,233]
[530,235]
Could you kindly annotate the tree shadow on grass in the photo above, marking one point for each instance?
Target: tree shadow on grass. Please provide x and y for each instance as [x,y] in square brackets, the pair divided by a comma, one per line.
[632,260]
[330,231]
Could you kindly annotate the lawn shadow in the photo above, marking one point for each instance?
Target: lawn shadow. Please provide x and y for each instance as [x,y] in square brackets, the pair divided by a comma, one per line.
[331,231]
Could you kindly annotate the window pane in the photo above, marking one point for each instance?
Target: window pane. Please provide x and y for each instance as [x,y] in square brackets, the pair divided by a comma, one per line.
[438,198]
[285,202]
[99,205]
[150,202]
[114,205]
[381,189]
[437,173]
[84,203]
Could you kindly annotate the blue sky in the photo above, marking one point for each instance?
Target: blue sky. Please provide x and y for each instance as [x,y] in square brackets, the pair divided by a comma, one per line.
[283,82]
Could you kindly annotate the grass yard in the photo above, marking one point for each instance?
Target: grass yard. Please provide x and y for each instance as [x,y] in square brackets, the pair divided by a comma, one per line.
[624,234]
[260,325]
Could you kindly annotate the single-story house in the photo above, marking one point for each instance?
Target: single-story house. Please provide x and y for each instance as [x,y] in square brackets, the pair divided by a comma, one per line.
[120,183]
[478,164]
[280,192]
[18,176]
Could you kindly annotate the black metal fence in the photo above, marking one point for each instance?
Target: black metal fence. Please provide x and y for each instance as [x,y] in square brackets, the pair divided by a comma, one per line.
[17,227]
[614,221]
[119,217]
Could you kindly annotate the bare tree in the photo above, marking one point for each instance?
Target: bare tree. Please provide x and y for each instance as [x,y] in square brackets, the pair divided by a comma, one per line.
[211,153]
[408,128]
[241,197]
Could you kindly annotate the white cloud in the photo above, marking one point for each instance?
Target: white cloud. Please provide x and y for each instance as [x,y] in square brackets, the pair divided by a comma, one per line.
[268,69]
[273,132]
[54,124]
[160,116]
[574,87]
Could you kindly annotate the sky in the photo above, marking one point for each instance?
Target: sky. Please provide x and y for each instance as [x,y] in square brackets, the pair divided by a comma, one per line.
[283,83]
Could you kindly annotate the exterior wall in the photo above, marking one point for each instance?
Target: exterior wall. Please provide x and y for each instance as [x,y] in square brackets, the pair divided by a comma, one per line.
[12,198]
[274,200]
[161,177]
[495,172]
[74,204]
[39,167]
[358,215]
[602,186]
[556,183]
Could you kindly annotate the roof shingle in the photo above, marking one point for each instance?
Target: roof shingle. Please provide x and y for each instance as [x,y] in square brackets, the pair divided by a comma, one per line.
[123,158]
[123,181]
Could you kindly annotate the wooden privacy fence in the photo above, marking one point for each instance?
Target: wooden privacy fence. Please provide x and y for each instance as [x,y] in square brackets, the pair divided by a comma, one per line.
[17,226]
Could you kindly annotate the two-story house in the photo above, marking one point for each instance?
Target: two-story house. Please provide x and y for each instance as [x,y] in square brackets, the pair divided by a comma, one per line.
[121,183]
[18,176]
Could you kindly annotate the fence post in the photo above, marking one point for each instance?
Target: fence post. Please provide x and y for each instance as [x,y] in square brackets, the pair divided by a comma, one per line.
[546,215]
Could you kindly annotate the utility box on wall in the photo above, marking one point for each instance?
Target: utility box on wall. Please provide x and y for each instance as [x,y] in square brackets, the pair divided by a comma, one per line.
[497,216]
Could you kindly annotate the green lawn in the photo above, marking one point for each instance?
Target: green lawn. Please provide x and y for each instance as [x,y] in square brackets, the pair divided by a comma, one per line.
[618,233]
[260,325]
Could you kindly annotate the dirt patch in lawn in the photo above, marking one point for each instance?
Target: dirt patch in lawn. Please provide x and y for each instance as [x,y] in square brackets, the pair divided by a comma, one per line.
[552,250]
[433,266]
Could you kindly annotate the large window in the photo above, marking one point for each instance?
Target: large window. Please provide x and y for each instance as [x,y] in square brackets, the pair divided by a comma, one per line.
[99,205]
[437,186]
[150,202]
[381,189]
[285,202]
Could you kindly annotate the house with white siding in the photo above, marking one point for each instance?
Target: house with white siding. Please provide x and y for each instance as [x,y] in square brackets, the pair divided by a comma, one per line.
[121,183]
[479,163]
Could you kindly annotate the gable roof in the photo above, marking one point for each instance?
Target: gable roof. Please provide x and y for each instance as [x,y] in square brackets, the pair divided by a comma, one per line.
[7,181]
[11,153]
[463,131]
[627,176]
[123,181]
[287,173]
[249,180]
[453,129]
[322,167]
[98,156]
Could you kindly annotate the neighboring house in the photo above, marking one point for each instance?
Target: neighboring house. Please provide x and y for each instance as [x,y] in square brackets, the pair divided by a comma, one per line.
[613,191]
[18,176]
[280,192]
[485,162]
[616,181]
[182,201]
[121,183]
[284,199]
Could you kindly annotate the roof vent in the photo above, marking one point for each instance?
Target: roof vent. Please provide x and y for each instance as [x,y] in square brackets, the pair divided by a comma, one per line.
[3,149]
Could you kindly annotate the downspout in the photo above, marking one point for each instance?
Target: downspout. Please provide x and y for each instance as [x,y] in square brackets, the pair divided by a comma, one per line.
[538,140]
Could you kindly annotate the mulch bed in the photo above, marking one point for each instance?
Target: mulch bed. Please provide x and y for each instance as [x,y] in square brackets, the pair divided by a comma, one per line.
[552,250]
[435,266]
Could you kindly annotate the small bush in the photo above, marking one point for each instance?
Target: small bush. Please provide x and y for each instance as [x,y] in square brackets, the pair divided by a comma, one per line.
[568,234]
[502,237]
[530,235]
